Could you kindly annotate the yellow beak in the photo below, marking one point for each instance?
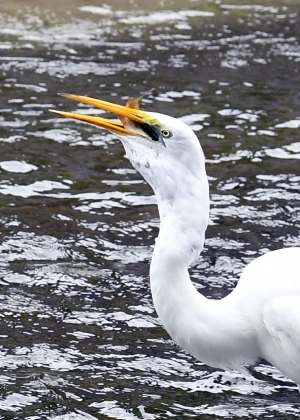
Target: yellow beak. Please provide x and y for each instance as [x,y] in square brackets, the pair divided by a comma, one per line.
[130,116]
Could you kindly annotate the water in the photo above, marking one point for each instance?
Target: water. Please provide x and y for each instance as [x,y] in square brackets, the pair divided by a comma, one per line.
[79,336]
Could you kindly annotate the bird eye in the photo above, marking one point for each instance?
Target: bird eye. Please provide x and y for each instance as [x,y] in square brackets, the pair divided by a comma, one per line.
[166,133]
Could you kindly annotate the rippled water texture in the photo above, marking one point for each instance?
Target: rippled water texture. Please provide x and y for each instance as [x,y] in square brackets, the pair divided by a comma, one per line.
[79,336]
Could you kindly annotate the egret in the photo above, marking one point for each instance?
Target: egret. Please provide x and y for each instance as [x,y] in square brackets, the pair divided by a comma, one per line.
[260,318]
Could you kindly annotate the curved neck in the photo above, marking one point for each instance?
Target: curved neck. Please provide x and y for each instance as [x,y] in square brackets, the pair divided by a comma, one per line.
[200,325]
[194,322]
[183,218]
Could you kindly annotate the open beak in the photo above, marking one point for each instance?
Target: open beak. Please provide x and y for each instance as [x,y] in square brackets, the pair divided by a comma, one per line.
[131,118]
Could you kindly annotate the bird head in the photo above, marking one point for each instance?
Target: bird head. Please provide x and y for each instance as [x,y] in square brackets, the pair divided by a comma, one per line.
[132,120]
[159,141]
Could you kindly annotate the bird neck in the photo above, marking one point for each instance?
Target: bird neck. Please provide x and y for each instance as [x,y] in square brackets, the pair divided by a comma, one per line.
[184,211]
[194,322]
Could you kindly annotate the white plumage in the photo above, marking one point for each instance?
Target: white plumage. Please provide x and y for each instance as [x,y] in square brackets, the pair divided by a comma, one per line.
[260,318]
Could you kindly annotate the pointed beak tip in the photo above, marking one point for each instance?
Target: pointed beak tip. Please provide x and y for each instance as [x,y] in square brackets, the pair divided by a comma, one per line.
[54,111]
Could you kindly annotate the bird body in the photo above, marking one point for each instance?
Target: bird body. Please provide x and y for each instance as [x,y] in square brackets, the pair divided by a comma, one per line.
[260,318]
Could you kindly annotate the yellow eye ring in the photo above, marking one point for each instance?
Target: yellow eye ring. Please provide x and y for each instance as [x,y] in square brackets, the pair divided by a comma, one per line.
[166,133]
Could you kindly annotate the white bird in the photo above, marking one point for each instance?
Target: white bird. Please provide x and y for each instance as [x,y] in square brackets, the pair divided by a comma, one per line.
[260,318]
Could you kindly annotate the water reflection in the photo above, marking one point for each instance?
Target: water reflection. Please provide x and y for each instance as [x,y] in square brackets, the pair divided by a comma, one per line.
[79,336]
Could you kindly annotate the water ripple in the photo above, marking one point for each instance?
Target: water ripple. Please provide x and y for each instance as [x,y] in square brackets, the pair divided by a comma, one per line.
[79,334]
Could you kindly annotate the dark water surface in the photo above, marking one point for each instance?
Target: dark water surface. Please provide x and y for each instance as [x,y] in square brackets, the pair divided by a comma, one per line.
[79,338]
